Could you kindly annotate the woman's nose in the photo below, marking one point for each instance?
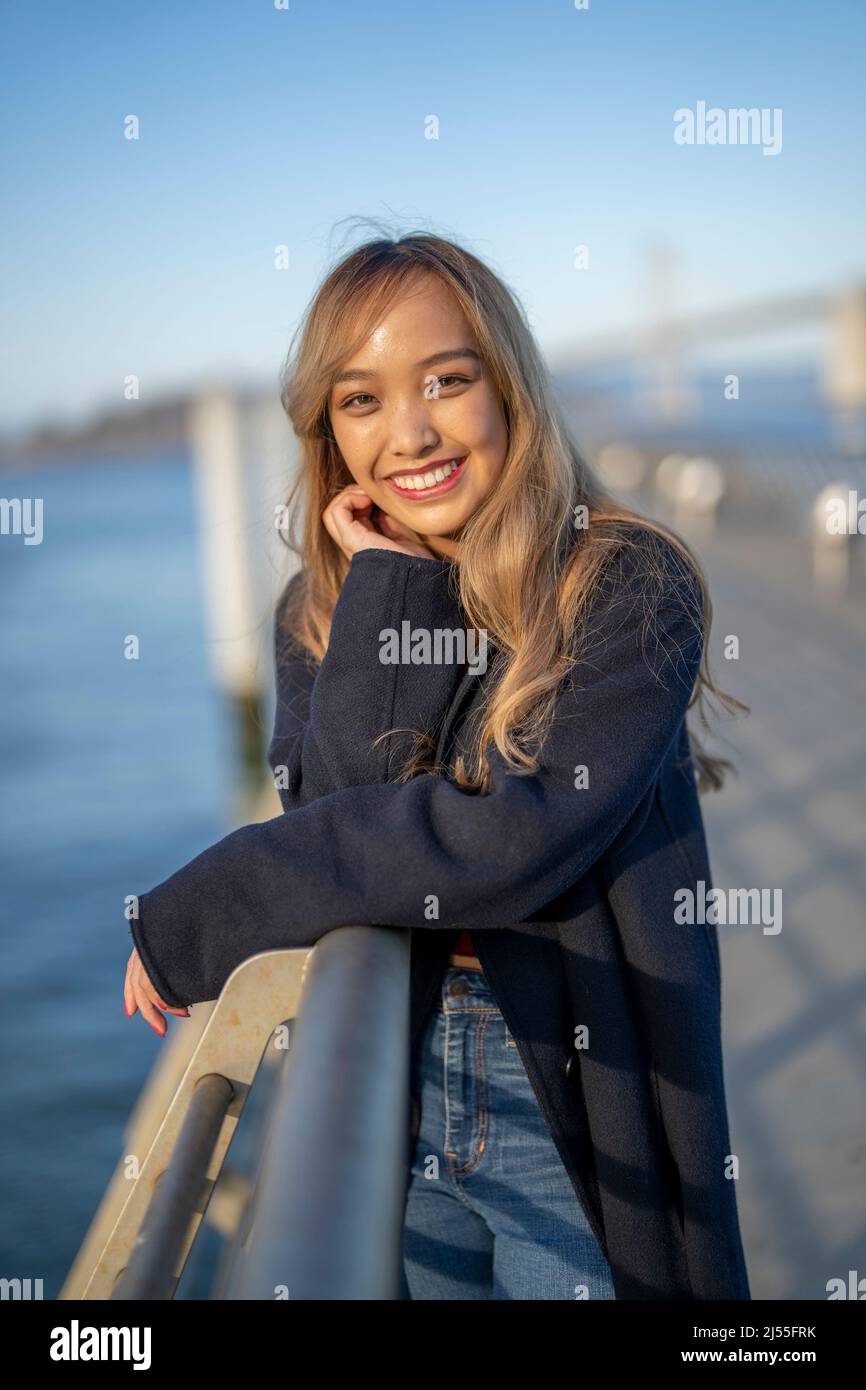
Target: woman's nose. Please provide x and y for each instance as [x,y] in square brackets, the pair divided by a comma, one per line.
[410,431]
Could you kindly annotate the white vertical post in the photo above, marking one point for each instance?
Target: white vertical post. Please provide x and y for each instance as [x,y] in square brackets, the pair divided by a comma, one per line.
[215,436]
[844,377]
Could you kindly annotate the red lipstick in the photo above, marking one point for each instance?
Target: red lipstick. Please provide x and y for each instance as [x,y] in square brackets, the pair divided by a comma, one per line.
[413,493]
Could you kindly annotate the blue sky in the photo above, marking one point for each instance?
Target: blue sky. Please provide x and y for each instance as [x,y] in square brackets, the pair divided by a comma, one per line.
[262,127]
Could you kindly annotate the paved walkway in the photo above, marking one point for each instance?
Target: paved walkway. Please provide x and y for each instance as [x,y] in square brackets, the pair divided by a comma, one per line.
[795,1003]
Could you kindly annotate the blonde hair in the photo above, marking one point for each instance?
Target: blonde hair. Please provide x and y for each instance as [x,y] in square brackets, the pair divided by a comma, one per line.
[526,573]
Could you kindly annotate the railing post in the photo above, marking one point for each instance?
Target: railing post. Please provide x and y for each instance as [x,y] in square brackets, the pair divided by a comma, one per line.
[180,1192]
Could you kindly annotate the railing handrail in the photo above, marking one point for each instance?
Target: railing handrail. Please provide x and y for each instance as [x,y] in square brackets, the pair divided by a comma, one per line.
[327,1214]
[325,1220]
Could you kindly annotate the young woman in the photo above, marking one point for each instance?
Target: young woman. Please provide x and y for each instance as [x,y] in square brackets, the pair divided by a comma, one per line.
[484,668]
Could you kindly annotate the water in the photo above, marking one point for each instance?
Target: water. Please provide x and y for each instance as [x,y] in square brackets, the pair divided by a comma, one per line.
[114,774]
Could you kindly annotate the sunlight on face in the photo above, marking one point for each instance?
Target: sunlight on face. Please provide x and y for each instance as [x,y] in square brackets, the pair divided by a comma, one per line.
[417,419]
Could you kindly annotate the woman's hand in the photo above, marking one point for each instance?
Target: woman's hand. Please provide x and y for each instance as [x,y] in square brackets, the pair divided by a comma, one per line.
[348,519]
[139,993]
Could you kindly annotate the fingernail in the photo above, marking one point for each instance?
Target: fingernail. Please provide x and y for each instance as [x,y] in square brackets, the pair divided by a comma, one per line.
[160,1032]
[126,1011]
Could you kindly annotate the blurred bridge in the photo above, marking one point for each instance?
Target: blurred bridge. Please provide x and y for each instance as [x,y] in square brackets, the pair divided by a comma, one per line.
[665,337]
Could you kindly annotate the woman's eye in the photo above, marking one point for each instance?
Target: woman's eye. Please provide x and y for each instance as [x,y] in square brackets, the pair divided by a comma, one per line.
[443,381]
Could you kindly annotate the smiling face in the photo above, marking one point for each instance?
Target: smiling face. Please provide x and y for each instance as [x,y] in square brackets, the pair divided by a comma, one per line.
[418,420]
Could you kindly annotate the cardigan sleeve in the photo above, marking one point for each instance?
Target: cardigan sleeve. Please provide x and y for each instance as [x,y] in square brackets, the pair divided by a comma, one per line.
[426,855]
[327,719]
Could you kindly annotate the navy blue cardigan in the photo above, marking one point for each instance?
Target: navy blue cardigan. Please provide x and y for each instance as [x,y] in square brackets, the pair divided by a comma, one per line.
[568,889]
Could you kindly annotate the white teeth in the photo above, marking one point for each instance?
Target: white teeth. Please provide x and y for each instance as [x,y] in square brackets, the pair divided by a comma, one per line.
[417,482]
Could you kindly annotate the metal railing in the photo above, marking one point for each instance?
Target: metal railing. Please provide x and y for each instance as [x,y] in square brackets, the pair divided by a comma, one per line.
[323,1219]
[326,1217]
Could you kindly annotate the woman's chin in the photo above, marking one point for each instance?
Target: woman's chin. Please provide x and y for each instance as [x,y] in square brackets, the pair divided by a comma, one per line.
[433,518]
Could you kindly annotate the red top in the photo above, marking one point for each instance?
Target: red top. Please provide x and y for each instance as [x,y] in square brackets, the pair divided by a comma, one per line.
[463,945]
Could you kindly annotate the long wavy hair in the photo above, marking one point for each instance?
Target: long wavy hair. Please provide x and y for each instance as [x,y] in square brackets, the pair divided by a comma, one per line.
[526,573]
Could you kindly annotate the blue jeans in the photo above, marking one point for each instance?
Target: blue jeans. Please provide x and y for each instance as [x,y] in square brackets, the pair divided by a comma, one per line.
[490,1209]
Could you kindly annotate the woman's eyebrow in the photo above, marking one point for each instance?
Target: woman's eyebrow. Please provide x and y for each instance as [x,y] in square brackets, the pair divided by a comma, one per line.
[435,359]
